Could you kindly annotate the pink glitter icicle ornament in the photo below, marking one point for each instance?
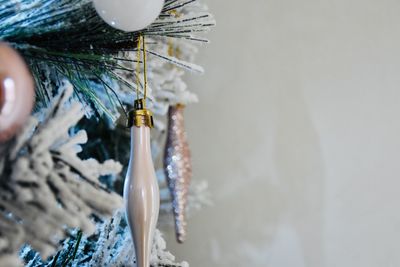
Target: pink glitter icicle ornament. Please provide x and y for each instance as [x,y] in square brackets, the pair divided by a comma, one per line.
[178,167]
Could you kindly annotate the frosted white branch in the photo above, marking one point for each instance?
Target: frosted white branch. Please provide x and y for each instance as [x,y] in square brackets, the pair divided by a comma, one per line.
[114,247]
[47,187]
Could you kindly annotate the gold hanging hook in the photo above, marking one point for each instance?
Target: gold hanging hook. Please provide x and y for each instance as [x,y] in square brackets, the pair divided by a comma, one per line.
[140,116]
[137,72]
[144,67]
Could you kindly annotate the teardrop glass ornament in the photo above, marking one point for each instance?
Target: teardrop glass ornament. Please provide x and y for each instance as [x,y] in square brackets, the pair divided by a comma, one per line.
[141,191]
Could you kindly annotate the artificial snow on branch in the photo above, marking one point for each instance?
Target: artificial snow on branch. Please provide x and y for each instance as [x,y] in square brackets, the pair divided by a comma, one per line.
[115,248]
[45,185]
[110,246]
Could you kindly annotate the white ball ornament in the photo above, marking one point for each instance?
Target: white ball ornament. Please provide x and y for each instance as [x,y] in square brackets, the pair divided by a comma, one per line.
[129,15]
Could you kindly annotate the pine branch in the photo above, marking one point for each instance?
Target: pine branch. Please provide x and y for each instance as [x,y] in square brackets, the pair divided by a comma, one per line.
[67,39]
[45,183]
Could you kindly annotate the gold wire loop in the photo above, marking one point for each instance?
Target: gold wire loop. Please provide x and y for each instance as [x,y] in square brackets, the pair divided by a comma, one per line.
[144,67]
[140,43]
[140,116]
[138,56]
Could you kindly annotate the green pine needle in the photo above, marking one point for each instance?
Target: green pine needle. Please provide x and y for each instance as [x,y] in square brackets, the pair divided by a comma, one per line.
[67,39]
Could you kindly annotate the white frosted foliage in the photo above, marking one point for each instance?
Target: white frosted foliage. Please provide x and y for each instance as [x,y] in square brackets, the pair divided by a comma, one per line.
[115,249]
[46,186]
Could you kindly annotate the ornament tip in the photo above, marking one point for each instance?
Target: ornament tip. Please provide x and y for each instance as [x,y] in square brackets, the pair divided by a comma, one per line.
[181,238]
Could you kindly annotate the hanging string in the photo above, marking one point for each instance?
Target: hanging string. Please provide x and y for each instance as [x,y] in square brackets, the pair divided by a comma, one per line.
[140,103]
[144,67]
[138,57]
[140,43]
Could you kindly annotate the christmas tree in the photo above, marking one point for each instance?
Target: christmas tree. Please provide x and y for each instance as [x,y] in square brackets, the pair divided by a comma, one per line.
[63,166]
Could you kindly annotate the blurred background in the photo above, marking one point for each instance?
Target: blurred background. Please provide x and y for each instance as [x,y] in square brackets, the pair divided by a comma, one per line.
[297,133]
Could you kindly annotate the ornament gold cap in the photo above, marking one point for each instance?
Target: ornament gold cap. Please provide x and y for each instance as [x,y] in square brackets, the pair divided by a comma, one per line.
[140,116]
[180,105]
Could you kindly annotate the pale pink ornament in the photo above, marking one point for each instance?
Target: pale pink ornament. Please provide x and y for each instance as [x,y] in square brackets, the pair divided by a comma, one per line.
[17,92]
[141,192]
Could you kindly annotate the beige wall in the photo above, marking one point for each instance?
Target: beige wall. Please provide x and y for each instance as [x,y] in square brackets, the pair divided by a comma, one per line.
[298,134]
